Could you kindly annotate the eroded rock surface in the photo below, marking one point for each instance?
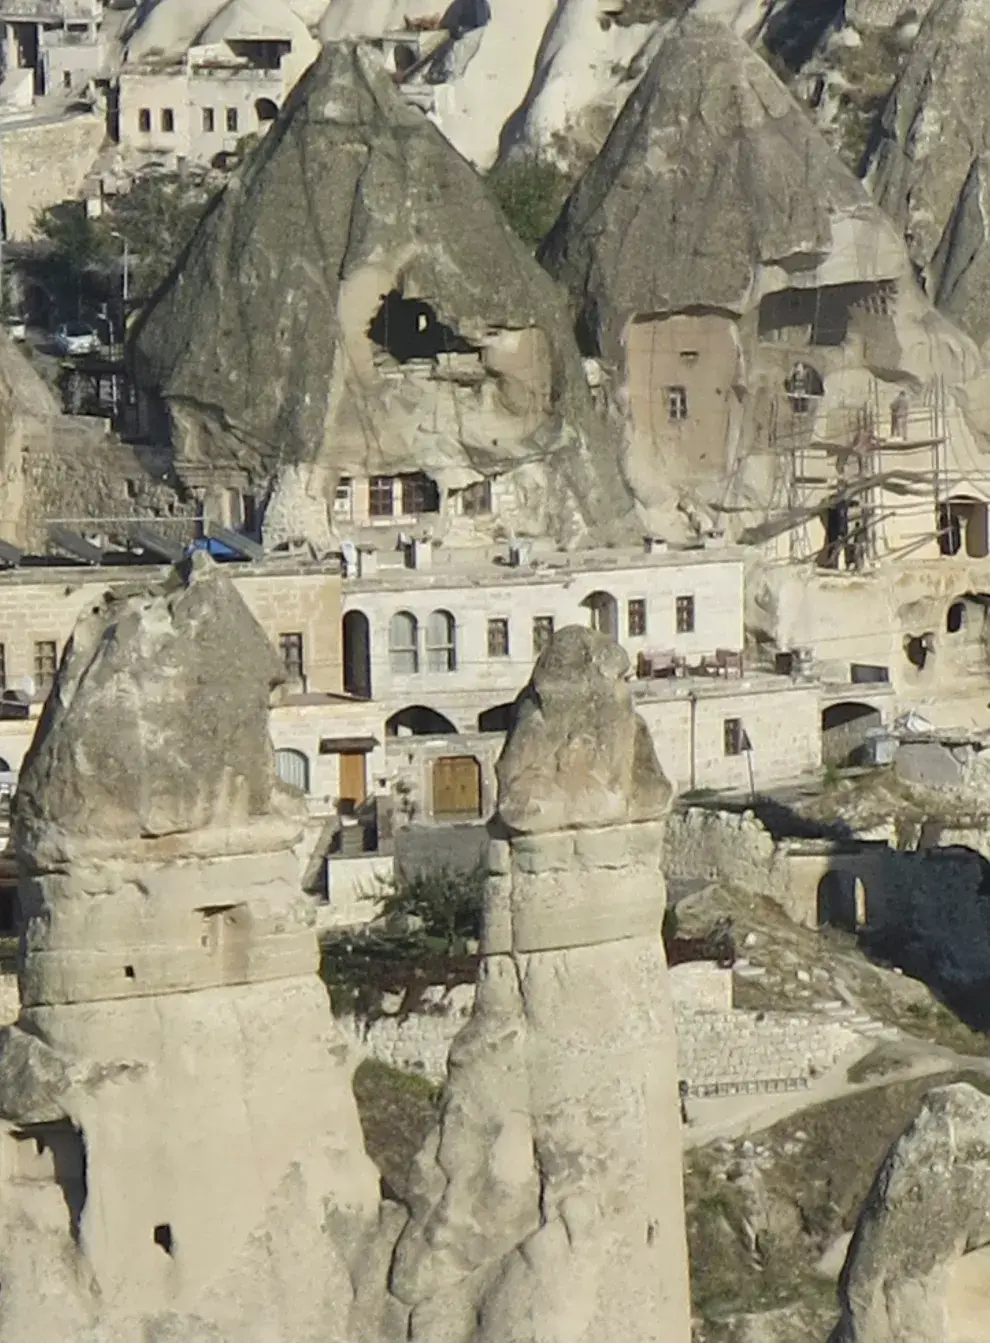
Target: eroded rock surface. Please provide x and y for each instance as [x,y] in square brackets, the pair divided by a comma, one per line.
[717,250]
[549,1202]
[928,1210]
[929,168]
[405,327]
[181,1154]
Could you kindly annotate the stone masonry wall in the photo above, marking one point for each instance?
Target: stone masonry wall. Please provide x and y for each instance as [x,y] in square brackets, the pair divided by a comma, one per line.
[720,1050]
[732,848]
[44,163]
[720,1053]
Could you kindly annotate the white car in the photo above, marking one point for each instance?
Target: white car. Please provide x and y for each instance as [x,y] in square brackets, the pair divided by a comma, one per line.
[77,338]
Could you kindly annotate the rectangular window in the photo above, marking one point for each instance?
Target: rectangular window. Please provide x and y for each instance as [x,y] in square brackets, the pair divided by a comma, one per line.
[232,119]
[209,120]
[144,120]
[343,498]
[477,498]
[733,736]
[66,79]
[380,504]
[677,403]
[290,646]
[168,121]
[636,617]
[498,638]
[542,633]
[419,494]
[45,665]
[685,615]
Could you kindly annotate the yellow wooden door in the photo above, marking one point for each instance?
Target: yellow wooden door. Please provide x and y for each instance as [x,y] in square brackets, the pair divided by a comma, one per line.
[456,786]
[353,779]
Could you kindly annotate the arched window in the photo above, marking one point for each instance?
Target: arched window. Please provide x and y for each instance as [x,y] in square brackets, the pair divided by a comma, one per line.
[441,649]
[403,643]
[603,613]
[265,110]
[292,767]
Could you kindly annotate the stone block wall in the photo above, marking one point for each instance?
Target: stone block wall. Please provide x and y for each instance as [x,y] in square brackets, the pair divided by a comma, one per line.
[725,846]
[720,1053]
[418,1043]
[701,986]
[45,162]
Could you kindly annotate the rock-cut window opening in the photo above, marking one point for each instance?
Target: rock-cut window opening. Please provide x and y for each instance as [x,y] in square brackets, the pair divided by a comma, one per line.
[408,328]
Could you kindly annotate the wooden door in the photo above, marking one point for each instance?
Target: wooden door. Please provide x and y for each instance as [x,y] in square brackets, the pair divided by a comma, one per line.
[353,779]
[457,786]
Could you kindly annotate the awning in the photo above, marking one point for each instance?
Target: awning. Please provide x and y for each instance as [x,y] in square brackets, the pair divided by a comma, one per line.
[347,745]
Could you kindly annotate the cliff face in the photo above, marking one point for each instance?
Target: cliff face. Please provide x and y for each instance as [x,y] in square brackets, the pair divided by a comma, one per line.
[357,302]
[929,168]
[715,250]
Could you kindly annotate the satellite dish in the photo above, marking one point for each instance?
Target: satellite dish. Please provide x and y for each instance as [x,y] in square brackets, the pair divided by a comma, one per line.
[28,686]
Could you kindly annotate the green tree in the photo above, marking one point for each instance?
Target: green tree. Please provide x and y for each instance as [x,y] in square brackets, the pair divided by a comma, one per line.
[531,191]
[446,901]
[157,216]
[79,242]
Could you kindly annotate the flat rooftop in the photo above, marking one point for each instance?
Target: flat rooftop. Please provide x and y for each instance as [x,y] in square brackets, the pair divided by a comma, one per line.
[483,565]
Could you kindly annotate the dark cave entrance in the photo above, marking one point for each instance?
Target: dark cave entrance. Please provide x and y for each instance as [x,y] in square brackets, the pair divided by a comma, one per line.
[408,328]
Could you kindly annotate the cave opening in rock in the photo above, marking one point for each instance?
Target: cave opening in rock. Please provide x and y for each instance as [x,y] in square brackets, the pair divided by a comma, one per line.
[408,328]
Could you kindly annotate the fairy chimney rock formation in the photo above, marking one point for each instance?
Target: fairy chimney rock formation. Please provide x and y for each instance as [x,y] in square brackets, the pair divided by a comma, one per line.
[179,1146]
[549,1202]
[916,1270]
[408,329]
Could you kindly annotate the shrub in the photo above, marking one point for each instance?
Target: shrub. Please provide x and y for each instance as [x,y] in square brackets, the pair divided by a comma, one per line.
[446,903]
[531,191]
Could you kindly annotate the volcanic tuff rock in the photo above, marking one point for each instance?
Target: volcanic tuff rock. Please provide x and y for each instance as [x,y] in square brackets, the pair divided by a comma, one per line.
[930,164]
[181,1153]
[548,1204]
[907,1273]
[711,190]
[356,300]
[714,243]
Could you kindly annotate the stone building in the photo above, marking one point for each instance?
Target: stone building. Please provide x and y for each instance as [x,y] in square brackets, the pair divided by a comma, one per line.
[48,46]
[442,640]
[189,94]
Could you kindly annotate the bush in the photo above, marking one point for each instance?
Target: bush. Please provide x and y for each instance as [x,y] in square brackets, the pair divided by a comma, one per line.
[530,191]
[446,903]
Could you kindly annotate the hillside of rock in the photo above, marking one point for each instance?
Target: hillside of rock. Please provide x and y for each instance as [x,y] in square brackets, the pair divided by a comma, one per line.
[356,301]
[929,168]
[717,243]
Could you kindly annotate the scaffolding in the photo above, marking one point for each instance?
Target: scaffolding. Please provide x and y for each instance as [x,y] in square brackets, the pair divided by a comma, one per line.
[873,479]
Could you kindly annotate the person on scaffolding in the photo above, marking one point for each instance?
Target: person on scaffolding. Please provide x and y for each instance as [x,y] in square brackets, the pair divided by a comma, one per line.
[899,408]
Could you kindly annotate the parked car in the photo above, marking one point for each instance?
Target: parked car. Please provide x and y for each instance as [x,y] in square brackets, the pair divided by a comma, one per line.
[17,328]
[77,338]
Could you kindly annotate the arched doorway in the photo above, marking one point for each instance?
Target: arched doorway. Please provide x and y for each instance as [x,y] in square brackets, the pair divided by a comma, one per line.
[962,526]
[845,732]
[356,639]
[500,718]
[603,613]
[456,788]
[837,901]
[418,721]
[265,110]
[292,767]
